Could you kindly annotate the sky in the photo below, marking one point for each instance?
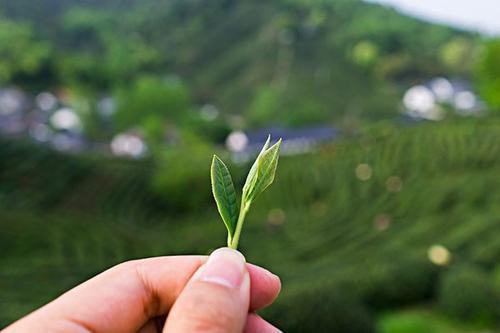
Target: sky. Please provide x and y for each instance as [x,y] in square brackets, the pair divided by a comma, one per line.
[477,15]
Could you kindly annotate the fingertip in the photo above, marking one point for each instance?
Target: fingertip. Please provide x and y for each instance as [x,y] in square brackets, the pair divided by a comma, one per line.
[266,286]
[217,297]
[230,251]
[224,266]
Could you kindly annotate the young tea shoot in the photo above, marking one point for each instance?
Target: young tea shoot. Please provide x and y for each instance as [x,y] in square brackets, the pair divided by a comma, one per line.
[260,176]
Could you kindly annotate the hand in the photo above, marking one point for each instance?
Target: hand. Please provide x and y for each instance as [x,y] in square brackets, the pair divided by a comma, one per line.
[170,294]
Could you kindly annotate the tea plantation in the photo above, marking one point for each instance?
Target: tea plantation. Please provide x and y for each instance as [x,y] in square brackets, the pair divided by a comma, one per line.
[396,217]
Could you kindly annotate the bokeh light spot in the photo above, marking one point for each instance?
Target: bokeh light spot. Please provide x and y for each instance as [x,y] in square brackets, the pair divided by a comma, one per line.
[363,172]
[394,184]
[319,208]
[128,145]
[381,222]
[237,141]
[46,101]
[439,255]
[66,119]
[276,217]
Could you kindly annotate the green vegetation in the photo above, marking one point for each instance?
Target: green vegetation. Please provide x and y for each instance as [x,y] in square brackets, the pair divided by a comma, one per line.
[468,293]
[421,321]
[260,176]
[22,54]
[277,62]
[152,104]
[488,73]
[348,242]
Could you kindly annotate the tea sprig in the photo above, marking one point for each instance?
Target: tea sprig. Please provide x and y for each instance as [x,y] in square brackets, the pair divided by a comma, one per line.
[260,176]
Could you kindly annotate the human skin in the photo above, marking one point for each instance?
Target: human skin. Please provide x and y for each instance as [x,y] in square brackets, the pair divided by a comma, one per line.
[212,294]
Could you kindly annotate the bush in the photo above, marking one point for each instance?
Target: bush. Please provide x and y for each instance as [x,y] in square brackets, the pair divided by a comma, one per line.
[404,282]
[181,179]
[496,280]
[405,322]
[329,310]
[467,293]
[487,72]
[36,177]
[151,103]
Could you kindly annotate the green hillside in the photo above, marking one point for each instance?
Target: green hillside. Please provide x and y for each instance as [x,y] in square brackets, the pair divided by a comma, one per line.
[348,229]
[287,61]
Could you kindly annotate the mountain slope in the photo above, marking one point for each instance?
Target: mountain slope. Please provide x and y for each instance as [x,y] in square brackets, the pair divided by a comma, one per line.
[285,61]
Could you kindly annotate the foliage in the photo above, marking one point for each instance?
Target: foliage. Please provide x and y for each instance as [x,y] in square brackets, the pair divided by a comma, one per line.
[420,320]
[467,293]
[265,106]
[98,57]
[20,188]
[224,195]
[496,280]
[21,53]
[406,281]
[260,176]
[459,55]
[151,104]
[182,171]
[365,53]
[322,310]
[313,234]
[488,74]
[283,62]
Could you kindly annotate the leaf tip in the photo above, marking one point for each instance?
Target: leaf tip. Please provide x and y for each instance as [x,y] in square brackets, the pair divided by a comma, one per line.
[275,146]
[266,144]
[216,159]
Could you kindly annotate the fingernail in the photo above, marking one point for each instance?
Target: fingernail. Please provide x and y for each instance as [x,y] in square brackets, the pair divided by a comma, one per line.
[224,267]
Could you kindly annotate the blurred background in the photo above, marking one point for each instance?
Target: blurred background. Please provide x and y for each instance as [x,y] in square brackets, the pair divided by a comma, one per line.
[384,216]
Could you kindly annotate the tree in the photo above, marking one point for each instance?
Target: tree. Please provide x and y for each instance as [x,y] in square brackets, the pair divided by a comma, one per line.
[20,52]
[488,73]
[265,106]
[106,49]
[151,103]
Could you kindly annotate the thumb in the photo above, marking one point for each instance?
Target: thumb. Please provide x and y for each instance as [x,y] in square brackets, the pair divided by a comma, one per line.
[216,299]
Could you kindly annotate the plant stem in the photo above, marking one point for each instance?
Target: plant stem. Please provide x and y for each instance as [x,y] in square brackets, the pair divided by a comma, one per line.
[239,226]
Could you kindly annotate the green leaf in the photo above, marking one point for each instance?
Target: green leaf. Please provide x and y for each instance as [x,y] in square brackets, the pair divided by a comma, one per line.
[260,176]
[264,173]
[252,174]
[224,194]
